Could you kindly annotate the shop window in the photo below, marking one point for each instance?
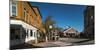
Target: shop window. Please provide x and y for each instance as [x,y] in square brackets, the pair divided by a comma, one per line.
[14,34]
[31,34]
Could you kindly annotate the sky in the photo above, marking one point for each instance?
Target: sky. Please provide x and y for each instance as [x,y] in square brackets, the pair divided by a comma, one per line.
[63,14]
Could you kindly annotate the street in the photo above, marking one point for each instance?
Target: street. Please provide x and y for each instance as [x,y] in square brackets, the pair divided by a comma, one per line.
[61,42]
[77,41]
[65,42]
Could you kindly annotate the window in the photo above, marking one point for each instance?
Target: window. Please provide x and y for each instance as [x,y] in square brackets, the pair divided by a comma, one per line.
[30,20]
[31,34]
[27,33]
[35,35]
[91,17]
[25,14]
[35,20]
[14,34]
[13,8]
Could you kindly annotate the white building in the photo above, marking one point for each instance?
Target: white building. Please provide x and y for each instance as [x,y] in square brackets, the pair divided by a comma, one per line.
[70,32]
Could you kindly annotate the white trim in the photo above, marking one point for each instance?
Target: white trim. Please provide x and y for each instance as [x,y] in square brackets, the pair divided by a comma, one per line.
[67,30]
[24,25]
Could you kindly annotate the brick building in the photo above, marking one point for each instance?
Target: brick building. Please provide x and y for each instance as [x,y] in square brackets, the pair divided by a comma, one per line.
[25,22]
[89,21]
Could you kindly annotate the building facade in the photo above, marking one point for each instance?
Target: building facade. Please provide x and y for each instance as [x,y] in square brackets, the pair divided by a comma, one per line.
[71,32]
[25,22]
[89,21]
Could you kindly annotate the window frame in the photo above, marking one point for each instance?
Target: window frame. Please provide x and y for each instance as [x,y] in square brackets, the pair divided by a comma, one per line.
[25,14]
[11,5]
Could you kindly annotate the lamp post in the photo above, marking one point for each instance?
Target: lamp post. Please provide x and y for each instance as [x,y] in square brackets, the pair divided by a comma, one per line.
[48,37]
[50,27]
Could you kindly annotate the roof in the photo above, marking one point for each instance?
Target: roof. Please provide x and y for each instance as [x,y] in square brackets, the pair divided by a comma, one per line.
[70,30]
[33,9]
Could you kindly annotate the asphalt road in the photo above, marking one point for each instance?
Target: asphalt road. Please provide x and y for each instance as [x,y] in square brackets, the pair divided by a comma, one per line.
[61,42]
[77,41]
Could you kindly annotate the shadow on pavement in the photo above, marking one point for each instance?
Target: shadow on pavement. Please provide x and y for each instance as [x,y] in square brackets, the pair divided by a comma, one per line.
[23,46]
[83,41]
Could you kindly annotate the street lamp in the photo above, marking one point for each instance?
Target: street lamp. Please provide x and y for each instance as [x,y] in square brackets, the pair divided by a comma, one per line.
[50,27]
